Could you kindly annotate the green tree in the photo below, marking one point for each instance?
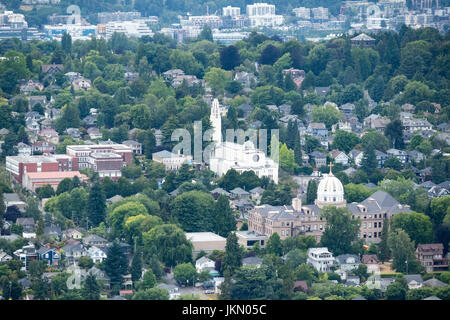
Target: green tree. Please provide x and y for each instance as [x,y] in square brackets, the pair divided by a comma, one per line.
[232,258]
[185,274]
[418,226]
[217,78]
[224,220]
[169,243]
[116,265]
[345,141]
[329,115]
[341,231]
[96,205]
[193,209]
[230,57]
[311,191]
[152,294]
[274,245]
[149,280]
[402,251]
[356,192]
[383,247]
[91,288]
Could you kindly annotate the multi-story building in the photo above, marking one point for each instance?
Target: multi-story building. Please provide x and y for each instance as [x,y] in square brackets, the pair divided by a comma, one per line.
[230,11]
[307,219]
[432,257]
[302,13]
[320,258]
[171,160]
[33,180]
[263,15]
[107,159]
[19,165]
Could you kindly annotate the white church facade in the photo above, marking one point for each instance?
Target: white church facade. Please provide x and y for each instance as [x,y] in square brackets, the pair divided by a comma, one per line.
[240,157]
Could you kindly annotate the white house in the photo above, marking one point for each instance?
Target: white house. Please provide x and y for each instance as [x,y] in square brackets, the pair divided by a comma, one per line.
[204,263]
[339,157]
[96,254]
[320,258]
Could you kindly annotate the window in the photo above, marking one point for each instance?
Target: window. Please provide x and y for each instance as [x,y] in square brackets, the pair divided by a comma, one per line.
[282,232]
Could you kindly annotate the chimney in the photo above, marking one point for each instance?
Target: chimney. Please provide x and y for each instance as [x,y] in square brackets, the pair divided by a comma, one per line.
[297,204]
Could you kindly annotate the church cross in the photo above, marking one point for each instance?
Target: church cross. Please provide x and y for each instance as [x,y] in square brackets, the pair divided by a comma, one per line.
[331,166]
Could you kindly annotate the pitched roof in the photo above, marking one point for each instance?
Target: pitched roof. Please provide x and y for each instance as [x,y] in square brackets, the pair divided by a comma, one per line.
[434,283]
[363,37]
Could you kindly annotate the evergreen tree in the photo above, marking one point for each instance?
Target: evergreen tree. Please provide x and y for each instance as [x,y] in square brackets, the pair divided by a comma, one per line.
[369,161]
[136,266]
[224,220]
[341,231]
[116,264]
[96,206]
[91,288]
[232,258]
[311,192]
[274,245]
[383,248]
[403,253]
[298,149]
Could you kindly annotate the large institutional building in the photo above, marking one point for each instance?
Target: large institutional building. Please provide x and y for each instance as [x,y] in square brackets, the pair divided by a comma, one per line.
[296,219]
[240,157]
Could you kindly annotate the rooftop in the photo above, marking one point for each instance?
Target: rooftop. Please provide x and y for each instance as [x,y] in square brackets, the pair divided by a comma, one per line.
[203,236]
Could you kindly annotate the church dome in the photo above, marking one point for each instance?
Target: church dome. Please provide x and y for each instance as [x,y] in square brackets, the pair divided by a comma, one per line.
[330,191]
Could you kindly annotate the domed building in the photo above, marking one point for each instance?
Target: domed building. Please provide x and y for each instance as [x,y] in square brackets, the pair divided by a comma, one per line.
[330,192]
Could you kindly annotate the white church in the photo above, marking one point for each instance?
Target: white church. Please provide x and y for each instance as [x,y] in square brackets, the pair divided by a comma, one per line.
[240,157]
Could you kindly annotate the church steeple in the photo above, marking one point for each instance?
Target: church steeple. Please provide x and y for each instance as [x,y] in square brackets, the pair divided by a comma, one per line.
[216,121]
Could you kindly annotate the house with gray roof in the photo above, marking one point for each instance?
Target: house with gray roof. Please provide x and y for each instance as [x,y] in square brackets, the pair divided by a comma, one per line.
[348,262]
[434,283]
[239,193]
[414,281]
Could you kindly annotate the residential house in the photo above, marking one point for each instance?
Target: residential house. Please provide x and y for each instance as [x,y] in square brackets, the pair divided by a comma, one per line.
[348,108]
[204,263]
[49,135]
[242,205]
[434,283]
[12,199]
[134,145]
[172,289]
[81,83]
[239,193]
[4,257]
[74,133]
[43,147]
[256,193]
[51,69]
[317,129]
[94,133]
[370,259]
[339,157]
[320,258]
[247,79]
[31,86]
[381,158]
[414,281]
[26,254]
[218,192]
[318,159]
[356,156]
[415,155]
[94,240]
[352,281]
[90,121]
[322,91]
[27,224]
[432,257]
[399,154]
[34,100]
[53,232]
[23,149]
[440,190]
[72,234]
[96,254]
[50,255]
[73,252]
[348,262]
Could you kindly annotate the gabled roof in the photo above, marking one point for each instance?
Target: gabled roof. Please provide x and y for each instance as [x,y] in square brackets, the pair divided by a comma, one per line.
[434,283]
[239,191]
[413,277]
[363,37]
